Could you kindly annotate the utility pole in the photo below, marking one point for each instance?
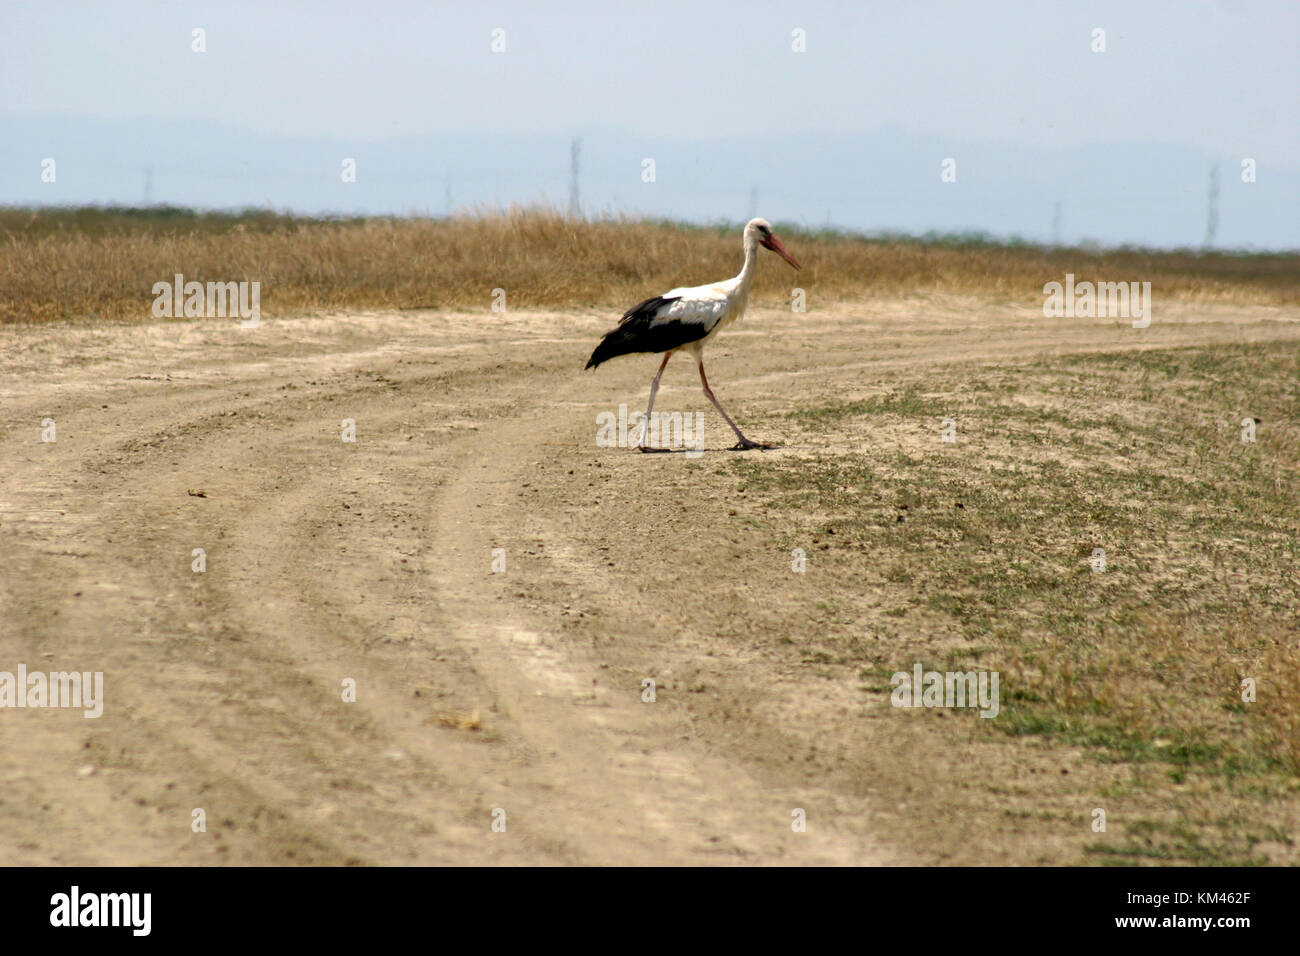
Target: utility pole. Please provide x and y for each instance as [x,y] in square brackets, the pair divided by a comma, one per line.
[446,195]
[575,201]
[1212,215]
[148,185]
[1056,224]
[753,202]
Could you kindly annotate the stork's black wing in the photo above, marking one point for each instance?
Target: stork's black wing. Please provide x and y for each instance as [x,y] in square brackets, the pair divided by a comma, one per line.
[645,328]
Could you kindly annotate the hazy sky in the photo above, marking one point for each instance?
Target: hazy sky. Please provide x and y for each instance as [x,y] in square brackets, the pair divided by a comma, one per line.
[1054,140]
[1221,76]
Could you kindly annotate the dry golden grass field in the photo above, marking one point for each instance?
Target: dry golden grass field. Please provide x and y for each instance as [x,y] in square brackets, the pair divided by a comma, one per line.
[500,586]
[101,263]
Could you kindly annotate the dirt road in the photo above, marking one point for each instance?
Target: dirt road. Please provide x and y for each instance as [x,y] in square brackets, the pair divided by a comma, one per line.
[481,695]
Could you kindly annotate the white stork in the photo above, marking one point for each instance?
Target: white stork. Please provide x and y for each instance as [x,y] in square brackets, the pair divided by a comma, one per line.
[686,319]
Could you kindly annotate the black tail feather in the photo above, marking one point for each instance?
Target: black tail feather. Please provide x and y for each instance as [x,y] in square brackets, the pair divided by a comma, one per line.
[634,333]
[616,342]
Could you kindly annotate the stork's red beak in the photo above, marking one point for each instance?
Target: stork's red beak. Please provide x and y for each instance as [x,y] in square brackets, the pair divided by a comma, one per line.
[773,243]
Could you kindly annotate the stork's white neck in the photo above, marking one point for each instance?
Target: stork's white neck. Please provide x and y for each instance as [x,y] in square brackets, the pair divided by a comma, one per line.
[750,267]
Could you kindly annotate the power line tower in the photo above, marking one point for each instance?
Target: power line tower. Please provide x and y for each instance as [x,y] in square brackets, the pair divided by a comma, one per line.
[1212,214]
[575,201]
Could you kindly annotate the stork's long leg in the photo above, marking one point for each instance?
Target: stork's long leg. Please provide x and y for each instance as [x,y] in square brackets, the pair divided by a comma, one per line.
[645,423]
[744,442]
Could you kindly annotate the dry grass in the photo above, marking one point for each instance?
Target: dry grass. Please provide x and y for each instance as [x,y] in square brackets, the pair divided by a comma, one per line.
[101,264]
[979,558]
[1279,698]
[457,720]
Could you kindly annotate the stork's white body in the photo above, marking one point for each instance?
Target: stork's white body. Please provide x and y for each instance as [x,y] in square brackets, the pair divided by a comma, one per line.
[713,307]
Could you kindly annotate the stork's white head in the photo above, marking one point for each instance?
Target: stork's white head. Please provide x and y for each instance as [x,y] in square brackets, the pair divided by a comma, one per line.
[760,231]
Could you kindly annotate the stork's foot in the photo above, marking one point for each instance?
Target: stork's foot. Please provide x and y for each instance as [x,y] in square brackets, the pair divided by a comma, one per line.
[745,445]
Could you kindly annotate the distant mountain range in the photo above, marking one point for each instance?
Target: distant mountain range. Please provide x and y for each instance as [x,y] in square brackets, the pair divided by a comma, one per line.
[886,181]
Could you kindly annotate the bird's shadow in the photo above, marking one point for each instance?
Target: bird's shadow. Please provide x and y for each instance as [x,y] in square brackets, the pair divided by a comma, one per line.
[701,451]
